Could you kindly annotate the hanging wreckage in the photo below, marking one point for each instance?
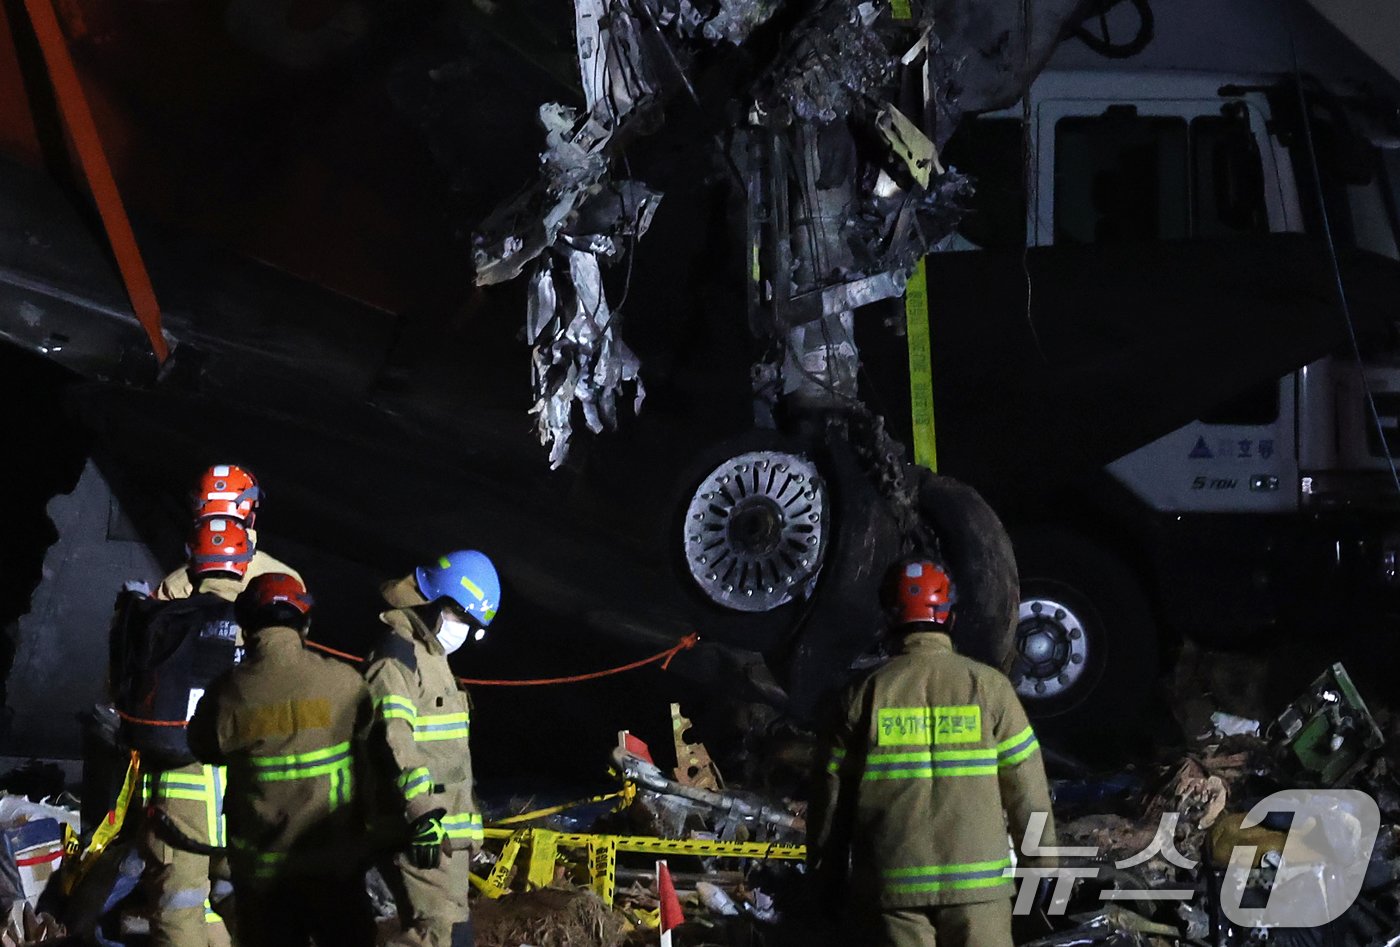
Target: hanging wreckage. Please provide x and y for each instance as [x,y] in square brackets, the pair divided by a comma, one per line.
[811,129]
[843,195]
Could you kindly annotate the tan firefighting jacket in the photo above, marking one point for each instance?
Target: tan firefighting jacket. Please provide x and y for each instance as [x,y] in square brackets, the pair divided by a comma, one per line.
[290,726]
[422,719]
[177,584]
[929,766]
[192,796]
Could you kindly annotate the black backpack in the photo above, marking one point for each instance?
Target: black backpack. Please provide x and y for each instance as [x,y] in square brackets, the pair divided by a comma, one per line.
[163,657]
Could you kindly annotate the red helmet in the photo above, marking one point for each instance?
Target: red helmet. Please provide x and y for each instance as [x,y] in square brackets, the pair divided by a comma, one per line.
[278,588]
[219,544]
[920,590]
[227,490]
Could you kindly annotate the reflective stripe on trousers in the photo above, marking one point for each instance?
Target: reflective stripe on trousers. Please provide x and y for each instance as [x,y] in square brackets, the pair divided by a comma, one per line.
[206,786]
[265,864]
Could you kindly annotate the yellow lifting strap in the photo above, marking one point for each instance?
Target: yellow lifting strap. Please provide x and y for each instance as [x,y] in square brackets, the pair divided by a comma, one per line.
[920,369]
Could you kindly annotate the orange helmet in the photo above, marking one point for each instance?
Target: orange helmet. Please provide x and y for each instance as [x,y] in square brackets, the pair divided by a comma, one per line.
[227,490]
[919,590]
[219,544]
[278,588]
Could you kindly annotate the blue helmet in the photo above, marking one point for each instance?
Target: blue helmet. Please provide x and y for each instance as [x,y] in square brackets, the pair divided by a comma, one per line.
[468,578]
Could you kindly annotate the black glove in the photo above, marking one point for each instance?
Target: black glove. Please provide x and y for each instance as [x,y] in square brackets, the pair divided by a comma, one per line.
[426,836]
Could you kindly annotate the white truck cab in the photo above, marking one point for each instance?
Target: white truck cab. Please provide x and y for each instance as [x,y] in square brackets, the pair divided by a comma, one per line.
[1297,464]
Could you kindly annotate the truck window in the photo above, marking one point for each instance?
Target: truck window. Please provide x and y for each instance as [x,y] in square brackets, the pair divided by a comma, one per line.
[1227,176]
[989,150]
[1374,211]
[1121,177]
[1124,177]
[1257,405]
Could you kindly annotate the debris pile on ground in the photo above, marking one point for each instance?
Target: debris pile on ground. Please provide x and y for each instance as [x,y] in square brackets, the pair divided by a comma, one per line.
[33,834]
[24,926]
[549,917]
[1193,851]
[548,874]
[1198,846]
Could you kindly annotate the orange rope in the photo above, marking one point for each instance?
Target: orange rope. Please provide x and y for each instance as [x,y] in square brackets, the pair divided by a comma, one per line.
[685,644]
[343,655]
[149,723]
[665,657]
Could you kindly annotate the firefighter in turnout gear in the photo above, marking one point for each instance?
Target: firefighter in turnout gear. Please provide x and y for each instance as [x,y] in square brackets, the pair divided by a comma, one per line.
[930,762]
[422,723]
[230,492]
[184,821]
[290,726]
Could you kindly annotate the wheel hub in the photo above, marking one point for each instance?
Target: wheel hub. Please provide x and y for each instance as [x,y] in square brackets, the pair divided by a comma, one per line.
[755,530]
[1052,649]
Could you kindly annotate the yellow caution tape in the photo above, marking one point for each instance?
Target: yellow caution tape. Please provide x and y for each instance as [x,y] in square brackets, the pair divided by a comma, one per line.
[111,825]
[920,368]
[599,856]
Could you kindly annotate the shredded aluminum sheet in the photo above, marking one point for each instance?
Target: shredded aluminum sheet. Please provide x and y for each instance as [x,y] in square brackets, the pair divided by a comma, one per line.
[572,220]
[579,354]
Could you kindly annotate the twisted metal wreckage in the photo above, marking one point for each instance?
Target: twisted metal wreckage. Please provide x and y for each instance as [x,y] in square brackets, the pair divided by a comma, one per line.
[833,223]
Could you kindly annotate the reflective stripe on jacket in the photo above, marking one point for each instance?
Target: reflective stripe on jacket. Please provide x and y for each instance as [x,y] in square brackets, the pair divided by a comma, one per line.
[929,764]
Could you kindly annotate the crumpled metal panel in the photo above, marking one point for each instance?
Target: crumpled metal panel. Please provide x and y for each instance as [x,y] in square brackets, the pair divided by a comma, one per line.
[617,78]
[580,356]
[999,46]
[837,60]
[579,353]
[736,19]
[909,143]
[572,165]
[853,239]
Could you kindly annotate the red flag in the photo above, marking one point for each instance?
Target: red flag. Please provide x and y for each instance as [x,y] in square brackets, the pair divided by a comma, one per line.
[633,745]
[671,916]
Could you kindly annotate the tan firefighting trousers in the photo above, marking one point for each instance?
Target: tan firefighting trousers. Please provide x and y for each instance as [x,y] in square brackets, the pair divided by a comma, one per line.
[983,924]
[432,903]
[179,883]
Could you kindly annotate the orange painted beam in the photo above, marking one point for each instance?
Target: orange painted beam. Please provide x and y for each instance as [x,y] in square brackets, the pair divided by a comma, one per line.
[77,116]
[18,138]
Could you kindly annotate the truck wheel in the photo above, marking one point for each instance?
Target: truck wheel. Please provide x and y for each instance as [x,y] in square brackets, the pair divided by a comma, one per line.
[1086,649]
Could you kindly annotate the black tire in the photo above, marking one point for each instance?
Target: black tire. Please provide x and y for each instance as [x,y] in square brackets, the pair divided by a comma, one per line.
[846,617]
[1103,600]
[979,554]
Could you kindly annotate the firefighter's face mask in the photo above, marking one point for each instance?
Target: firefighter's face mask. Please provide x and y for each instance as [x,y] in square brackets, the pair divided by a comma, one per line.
[452,632]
